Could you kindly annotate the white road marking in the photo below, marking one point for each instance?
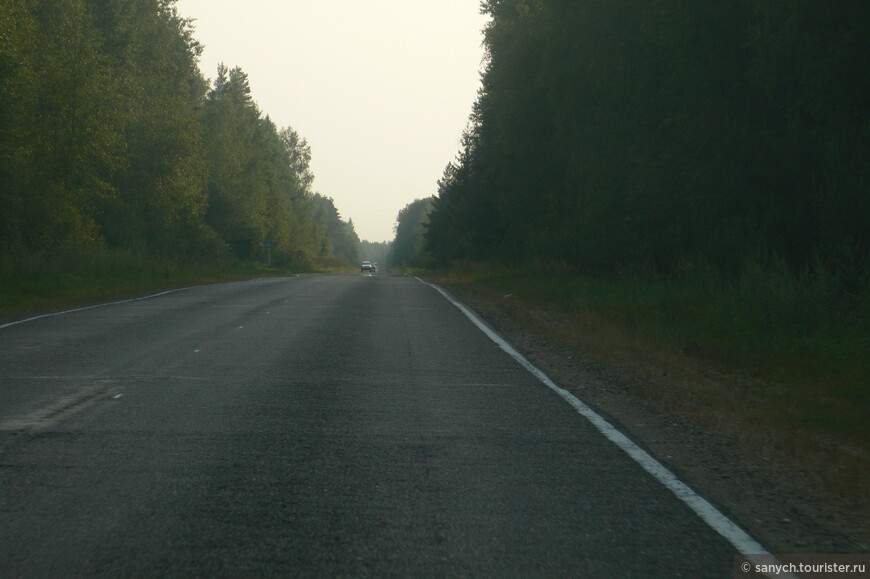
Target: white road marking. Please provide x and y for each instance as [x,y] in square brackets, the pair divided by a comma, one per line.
[148,297]
[63,408]
[739,538]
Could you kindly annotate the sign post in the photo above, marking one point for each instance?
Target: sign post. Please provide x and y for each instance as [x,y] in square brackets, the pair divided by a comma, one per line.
[269,244]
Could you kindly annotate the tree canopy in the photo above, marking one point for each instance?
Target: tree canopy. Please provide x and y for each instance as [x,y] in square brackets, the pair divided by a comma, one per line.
[110,136]
[624,134]
[408,245]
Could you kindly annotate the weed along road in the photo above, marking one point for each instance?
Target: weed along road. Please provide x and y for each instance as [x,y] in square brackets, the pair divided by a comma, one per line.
[342,425]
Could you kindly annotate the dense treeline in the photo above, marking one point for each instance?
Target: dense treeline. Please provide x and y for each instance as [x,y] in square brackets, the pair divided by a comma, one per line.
[343,242]
[111,137]
[408,247]
[611,135]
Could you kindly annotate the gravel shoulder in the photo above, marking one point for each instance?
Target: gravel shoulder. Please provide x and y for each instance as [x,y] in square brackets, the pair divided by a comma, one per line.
[789,503]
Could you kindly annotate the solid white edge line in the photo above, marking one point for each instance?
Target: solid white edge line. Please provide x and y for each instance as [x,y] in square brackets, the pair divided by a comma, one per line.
[139,299]
[742,541]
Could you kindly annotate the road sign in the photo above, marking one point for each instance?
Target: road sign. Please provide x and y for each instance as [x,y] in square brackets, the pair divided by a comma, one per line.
[269,244]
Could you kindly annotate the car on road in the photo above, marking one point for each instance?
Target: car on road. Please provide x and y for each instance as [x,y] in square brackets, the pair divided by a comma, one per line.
[366,266]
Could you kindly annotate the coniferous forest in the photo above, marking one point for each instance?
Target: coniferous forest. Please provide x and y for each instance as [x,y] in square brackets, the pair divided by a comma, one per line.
[693,176]
[649,135]
[657,135]
[111,139]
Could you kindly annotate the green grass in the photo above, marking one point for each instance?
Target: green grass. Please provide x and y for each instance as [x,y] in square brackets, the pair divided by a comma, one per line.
[799,341]
[32,283]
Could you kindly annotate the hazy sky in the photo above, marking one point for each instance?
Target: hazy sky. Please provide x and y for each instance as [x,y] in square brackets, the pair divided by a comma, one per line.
[381,89]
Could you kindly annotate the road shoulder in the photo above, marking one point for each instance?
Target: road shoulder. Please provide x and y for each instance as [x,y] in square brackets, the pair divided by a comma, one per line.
[781,500]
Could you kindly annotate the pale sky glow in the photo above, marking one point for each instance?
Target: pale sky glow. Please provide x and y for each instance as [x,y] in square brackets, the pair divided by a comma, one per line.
[381,89]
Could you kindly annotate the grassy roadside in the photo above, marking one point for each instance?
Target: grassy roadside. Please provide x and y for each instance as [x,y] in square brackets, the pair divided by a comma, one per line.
[35,284]
[777,367]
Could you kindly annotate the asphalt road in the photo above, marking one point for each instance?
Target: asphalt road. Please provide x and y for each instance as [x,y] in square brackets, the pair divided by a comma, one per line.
[312,426]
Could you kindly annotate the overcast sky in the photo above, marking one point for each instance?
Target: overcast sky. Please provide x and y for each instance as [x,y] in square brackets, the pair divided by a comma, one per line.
[381,89]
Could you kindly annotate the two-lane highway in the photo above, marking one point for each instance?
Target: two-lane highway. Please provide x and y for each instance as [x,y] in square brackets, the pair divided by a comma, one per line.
[312,426]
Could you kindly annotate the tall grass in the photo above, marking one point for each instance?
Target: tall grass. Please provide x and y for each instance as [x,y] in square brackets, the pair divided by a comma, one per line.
[805,333]
[35,281]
